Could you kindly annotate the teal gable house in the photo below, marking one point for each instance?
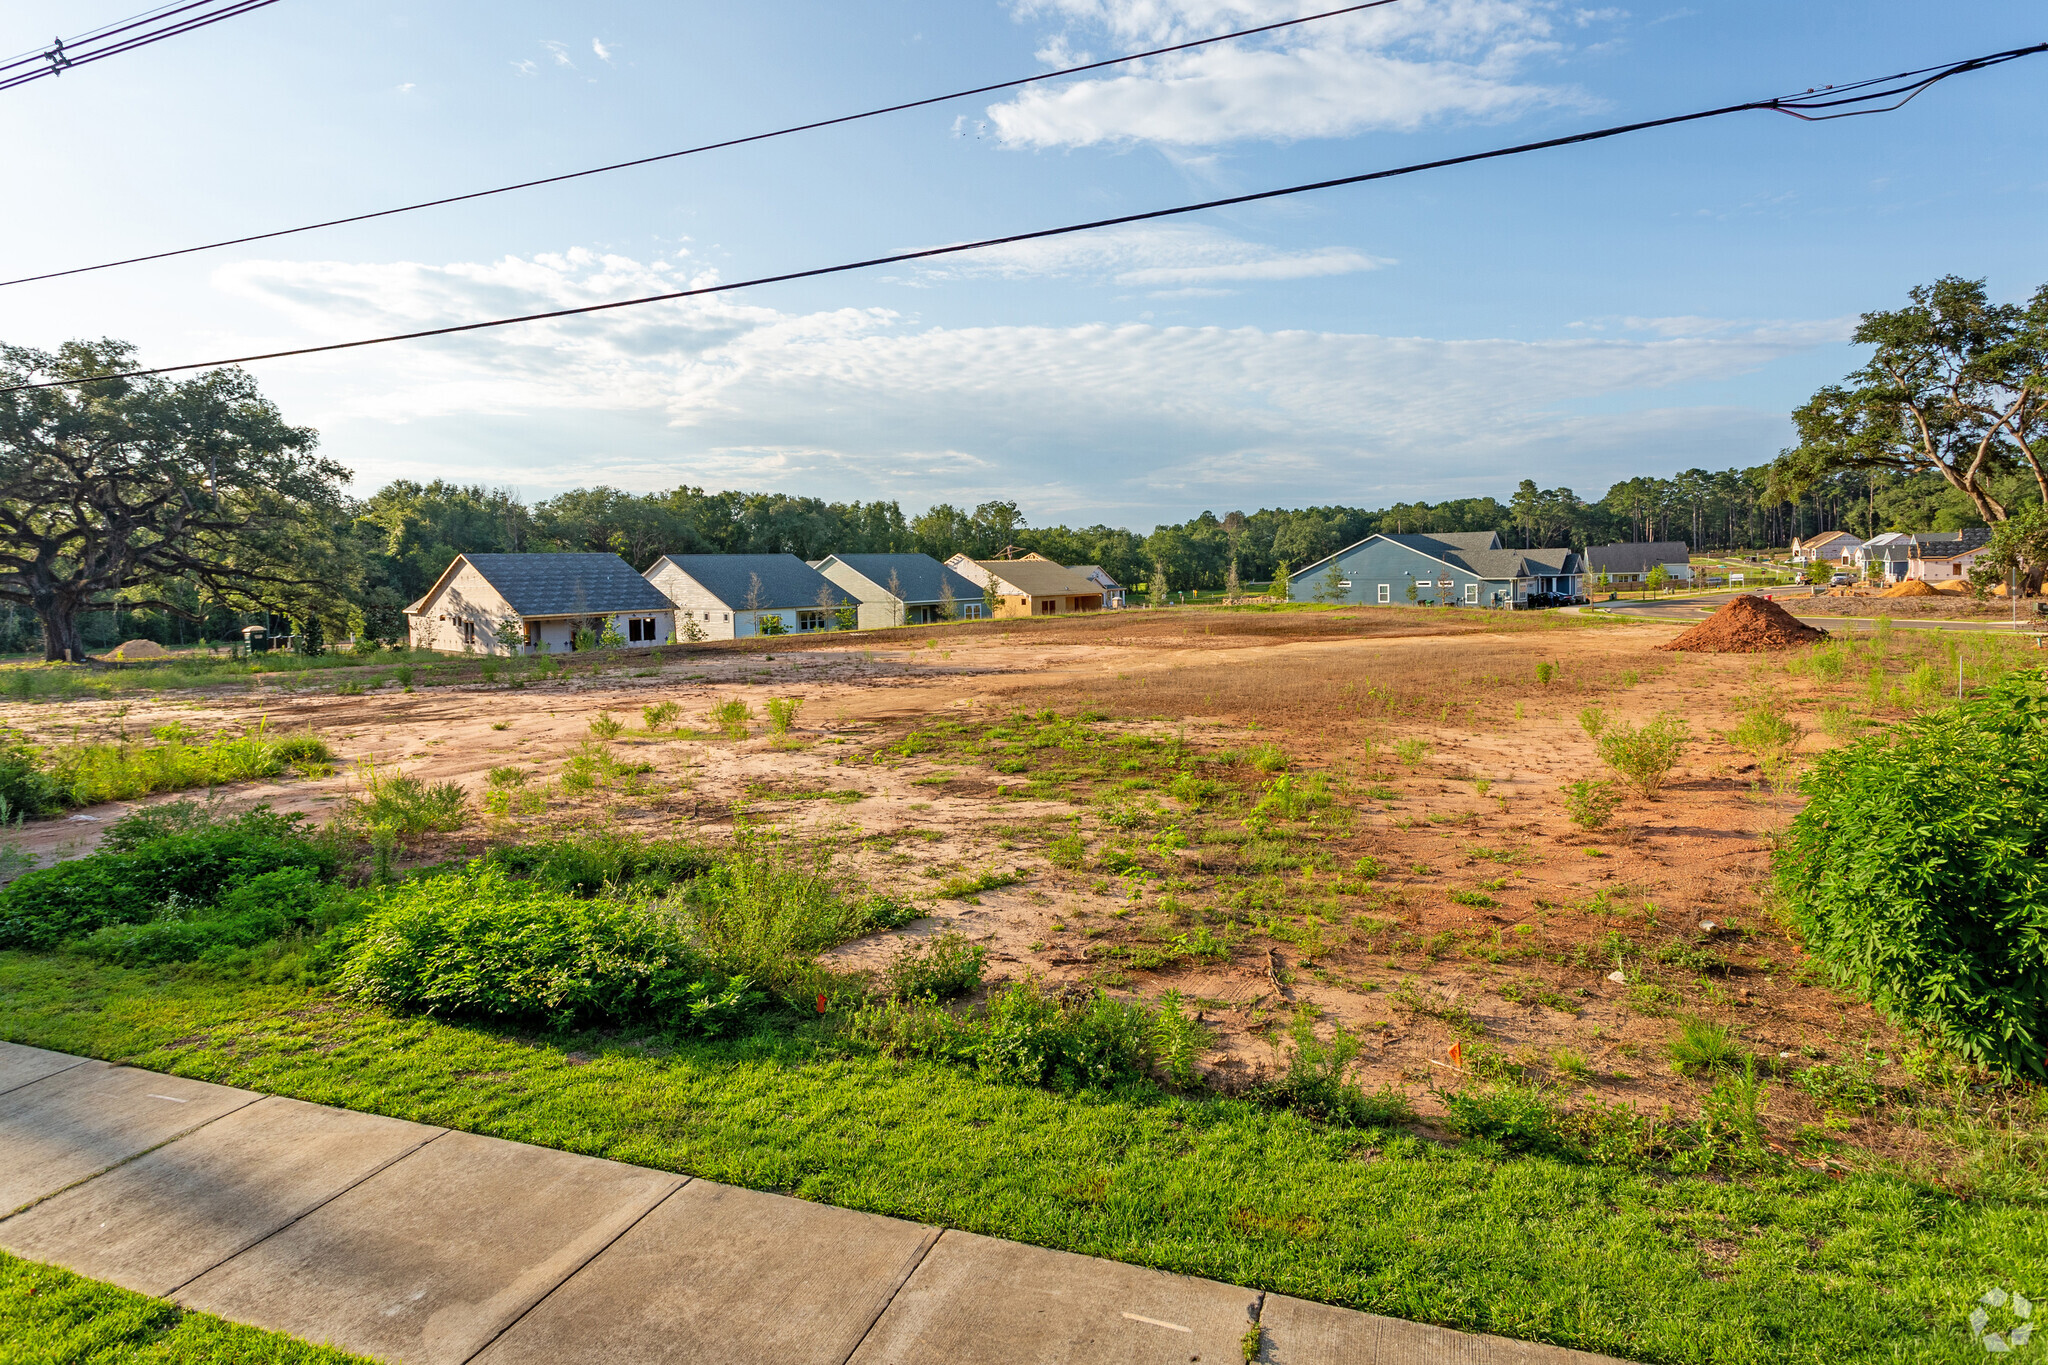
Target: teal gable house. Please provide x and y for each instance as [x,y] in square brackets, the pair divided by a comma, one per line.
[1453,568]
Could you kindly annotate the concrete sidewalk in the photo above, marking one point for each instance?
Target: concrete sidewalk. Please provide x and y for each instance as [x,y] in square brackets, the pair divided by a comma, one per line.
[432,1247]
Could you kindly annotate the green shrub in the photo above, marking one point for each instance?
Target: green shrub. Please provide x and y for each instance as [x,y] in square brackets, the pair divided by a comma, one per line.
[661,715]
[605,725]
[1314,1082]
[766,911]
[1644,756]
[24,786]
[1410,751]
[1590,802]
[247,914]
[591,864]
[1545,672]
[478,944]
[506,775]
[782,713]
[1593,720]
[1038,1038]
[731,717]
[90,773]
[1765,729]
[1518,1117]
[936,969]
[132,884]
[405,805]
[1268,757]
[1915,873]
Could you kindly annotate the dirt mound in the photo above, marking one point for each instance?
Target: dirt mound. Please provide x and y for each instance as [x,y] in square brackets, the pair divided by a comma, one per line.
[1911,587]
[138,649]
[1747,625]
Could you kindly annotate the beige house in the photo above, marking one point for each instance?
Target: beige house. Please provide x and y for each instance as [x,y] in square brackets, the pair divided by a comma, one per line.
[1033,586]
[536,604]
[903,589]
[1833,547]
[730,597]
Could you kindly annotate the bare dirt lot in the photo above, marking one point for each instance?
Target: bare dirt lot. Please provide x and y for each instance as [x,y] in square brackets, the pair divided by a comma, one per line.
[1353,812]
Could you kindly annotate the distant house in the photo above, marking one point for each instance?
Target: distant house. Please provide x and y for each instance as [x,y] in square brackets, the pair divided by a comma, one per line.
[1890,552]
[1946,556]
[902,590]
[1630,564]
[1833,547]
[730,597]
[1112,591]
[1033,586]
[1466,568]
[535,603]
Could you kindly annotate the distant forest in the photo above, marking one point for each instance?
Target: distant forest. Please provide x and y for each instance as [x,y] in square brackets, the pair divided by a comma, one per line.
[390,547]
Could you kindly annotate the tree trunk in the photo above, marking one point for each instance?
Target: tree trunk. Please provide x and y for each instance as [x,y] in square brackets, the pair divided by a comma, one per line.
[62,641]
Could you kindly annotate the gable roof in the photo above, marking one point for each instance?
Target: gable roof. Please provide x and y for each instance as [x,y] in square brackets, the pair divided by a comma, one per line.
[1826,538]
[919,578]
[559,584]
[1478,553]
[1635,556]
[1094,573]
[786,581]
[1036,578]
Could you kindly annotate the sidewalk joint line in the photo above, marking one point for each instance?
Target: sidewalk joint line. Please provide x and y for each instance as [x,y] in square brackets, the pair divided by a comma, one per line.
[888,1300]
[75,1062]
[261,1237]
[573,1270]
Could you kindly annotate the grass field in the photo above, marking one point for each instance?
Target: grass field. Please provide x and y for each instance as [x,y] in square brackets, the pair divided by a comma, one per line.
[52,1317]
[1796,1266]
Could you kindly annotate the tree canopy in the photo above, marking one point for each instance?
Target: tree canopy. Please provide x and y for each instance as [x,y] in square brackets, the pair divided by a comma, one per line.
[132,486]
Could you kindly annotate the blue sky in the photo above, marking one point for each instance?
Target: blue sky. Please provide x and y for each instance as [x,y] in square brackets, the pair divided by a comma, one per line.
[1636,306]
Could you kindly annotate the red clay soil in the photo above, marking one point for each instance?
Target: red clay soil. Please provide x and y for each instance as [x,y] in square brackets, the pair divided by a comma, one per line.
[1747,625]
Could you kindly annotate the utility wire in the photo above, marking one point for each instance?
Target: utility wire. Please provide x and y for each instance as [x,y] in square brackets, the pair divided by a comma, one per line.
[709,146]
[117,26]
[60,58]
[1812,105]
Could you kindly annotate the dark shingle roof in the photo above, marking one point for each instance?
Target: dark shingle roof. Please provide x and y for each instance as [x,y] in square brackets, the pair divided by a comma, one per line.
[568,584]
[1941,544]
[1433,542]
[1639,557]
[918,577]
[786,581]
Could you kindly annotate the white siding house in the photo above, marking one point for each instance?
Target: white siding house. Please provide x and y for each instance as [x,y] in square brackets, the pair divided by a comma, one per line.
[537,602]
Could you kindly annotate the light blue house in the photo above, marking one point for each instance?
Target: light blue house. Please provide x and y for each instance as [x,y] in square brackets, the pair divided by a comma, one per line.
[1452,568]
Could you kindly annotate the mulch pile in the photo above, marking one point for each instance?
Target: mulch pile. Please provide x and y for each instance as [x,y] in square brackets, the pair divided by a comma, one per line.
[138,649]
[1748,625]
[1911,587]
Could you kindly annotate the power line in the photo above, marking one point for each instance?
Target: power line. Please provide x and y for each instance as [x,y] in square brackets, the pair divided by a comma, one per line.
[1827,102]
[706,147]
[61,58]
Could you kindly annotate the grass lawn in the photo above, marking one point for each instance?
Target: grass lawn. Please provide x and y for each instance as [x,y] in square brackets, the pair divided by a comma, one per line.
[53,1317]
[1647,1266]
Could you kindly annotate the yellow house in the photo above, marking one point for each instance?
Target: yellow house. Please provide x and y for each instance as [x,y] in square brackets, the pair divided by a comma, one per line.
[1030,587]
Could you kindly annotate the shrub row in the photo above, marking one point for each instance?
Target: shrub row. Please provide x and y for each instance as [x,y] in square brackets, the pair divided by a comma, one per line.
[153,870]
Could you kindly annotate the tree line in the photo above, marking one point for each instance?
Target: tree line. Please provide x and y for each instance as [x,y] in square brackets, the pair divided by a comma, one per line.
[172,510]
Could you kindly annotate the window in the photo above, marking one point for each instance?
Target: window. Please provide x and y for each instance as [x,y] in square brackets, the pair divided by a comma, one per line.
[968,611]
[1048,607]
[468,634]
[1472,592]
[640,630]
[813,618]
[1386,593]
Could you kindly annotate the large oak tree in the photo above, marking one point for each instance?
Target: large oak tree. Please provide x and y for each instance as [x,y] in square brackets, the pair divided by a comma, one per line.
[1956,385]
[124,486]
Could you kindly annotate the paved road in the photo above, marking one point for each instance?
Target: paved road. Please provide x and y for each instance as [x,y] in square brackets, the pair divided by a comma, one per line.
[425,1245]
[1814,612]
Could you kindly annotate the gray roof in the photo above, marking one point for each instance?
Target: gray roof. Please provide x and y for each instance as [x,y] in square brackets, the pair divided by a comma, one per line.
[1478,553]
[919,578]
[786,581]
[1448,540]
[1939,544]
[1636,557]
[1090,572]
[568,584]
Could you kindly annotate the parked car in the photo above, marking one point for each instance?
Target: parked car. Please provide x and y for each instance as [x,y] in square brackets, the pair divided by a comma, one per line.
[1841,580]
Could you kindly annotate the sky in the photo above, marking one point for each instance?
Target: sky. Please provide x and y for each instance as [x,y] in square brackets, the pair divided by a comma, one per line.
[1640,305]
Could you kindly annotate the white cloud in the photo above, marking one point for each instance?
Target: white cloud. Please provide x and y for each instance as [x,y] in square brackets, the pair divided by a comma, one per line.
[1152,256]
[1129,421]
[604,54]
[561,51]
[1399,67]
[526,68]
